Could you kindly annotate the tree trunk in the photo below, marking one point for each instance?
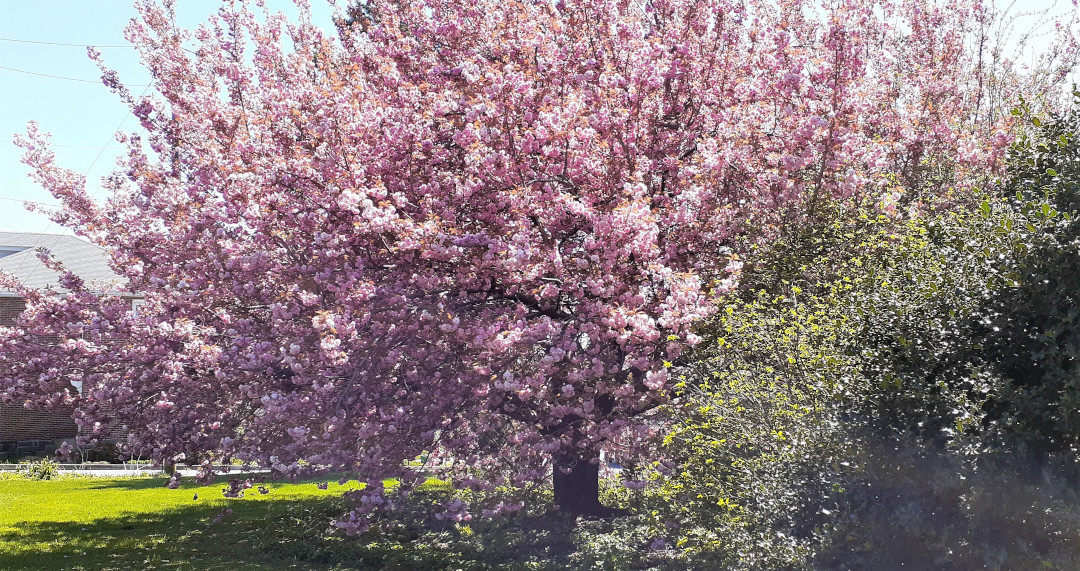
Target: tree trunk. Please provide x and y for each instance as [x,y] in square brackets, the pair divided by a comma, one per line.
[577,486]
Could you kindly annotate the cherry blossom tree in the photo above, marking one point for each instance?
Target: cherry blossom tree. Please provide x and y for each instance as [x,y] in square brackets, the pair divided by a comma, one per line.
[481,229]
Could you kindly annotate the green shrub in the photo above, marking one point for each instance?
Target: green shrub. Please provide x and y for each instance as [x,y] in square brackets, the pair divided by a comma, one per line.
[880,386]
[755,404]
[104,452]
[906,505]
[44,469]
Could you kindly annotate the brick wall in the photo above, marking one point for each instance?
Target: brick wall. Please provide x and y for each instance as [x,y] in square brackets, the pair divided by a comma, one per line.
[10,308]
[19,424]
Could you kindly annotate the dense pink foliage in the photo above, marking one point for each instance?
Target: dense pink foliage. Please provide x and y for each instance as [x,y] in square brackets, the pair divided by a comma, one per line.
[475,227]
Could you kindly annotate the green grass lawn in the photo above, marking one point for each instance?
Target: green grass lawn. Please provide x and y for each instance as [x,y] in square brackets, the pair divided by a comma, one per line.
[138,523]
[82,523]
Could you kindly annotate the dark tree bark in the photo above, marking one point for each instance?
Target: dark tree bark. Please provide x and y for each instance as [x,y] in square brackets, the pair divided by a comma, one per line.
[577,486]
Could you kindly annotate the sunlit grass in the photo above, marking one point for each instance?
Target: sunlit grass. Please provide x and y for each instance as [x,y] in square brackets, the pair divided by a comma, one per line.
[81,523]
[138,523]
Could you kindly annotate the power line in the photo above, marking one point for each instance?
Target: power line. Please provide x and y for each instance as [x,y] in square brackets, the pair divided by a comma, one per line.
[106,145]
[85,147]
[66,78]
[85,174]
[21,201]
[60,44]
[66,45]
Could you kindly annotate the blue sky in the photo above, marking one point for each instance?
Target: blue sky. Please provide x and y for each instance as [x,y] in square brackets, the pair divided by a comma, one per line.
[79,111]
[81,115]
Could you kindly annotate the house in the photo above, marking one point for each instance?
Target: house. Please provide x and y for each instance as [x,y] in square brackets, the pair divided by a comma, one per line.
[21,429]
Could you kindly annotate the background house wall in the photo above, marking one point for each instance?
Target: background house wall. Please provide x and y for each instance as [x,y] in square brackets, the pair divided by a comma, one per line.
[10,308]
[24,430]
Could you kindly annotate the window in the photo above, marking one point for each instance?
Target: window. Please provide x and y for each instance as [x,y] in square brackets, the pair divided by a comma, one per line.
[9,250]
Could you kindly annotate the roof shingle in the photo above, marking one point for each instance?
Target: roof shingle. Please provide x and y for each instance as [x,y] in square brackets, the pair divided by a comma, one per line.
[88,261]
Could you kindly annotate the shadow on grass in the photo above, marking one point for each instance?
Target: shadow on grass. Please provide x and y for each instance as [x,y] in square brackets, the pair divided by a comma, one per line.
[148,482]
[416,539]
[178,538]
[299,534]
[133,483]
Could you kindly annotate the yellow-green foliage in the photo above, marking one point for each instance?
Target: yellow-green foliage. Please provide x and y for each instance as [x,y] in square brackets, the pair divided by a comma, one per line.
[770,410]
[879,386]
[755,402]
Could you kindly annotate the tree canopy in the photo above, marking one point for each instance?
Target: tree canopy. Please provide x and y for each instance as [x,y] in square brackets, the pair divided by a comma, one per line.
[482,229]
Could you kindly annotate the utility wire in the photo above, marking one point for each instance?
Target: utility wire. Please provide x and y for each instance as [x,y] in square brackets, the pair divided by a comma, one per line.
[85,147]
[60,44]
[85,174]
[21,201]
[74,45]
[66,78]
